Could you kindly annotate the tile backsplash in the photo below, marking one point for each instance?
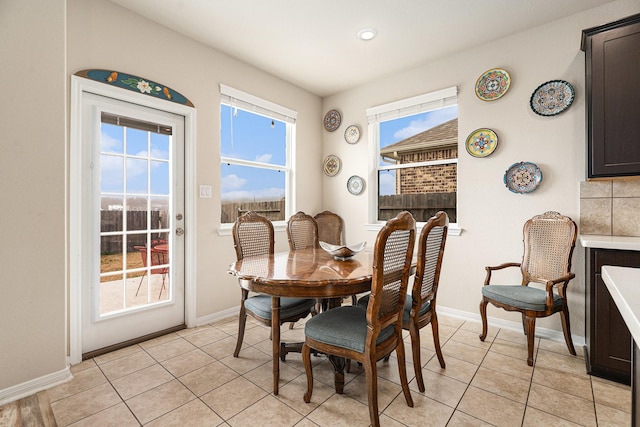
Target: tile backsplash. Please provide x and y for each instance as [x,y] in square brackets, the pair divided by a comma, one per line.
[610,207]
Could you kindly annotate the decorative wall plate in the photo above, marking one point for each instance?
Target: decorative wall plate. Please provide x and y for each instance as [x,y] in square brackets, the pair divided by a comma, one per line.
[481,142]
[332,120]
[493,84]
[355,185]
[552,97]
[352,134]
[523,177]
[331,165]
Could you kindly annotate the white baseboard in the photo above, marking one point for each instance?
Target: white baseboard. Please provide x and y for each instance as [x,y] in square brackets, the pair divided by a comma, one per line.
[494,322]
[35,385]
[214,317]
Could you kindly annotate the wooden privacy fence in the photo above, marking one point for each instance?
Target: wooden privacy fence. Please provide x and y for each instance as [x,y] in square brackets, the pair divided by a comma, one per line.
[272,210]
[136,221]
[422,206]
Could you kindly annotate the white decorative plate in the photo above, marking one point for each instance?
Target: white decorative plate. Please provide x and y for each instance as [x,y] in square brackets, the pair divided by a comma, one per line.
[355,185]
[342,252]
[522,177]
[352,134]
[331,165]
[552,97]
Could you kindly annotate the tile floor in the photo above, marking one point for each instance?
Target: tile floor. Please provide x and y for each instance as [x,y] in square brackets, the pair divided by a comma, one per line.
[190,378]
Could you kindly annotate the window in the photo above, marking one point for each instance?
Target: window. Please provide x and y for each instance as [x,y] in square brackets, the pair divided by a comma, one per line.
[415,146]
[255,156]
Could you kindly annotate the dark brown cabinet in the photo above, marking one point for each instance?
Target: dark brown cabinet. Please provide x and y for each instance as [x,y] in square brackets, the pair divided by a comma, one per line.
[613,97]
[608,339]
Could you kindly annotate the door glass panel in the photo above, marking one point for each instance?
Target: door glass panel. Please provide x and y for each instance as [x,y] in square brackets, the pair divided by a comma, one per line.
[135,273]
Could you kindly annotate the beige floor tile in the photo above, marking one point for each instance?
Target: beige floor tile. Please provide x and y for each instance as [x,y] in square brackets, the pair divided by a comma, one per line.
[264,377]
[170,349]
[143,380]
[233,397]
[561,362]
[425,411]
[460,419]
[613,396]
[341,411]
[205,336]
[257,334]
[440,388]
[536,418]
[208,378]
[159,401]
[560,347]
[387,390]
[387,421]
[610,417]
[563,405]
[270,412]
[187,362]
[82,380]
[248,359]
[454,322]
[508,365]
[468,353]
[491,408]
[472,338]
[575,384]
[517,350]
[81,405]
[476,327]
[292,394]
[126,365]
[108,357]
[192,414]
[223,348]
[455,368]
[159,340]
[85,364]
[115,416]
[501,384]
[306,423]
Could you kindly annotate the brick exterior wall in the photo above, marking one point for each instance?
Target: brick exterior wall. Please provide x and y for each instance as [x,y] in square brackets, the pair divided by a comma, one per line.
[428,179]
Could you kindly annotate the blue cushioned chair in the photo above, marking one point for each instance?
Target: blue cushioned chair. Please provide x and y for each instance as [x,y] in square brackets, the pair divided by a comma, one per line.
[368,335]
[549,240]
[253,235]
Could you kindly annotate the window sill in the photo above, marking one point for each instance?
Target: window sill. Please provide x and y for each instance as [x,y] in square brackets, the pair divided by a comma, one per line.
[453,230]
[225,229]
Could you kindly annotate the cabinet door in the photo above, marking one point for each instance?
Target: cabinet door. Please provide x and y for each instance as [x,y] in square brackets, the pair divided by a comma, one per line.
[613,84]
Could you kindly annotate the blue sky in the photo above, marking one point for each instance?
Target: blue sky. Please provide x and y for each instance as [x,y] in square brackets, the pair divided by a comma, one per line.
[251,137]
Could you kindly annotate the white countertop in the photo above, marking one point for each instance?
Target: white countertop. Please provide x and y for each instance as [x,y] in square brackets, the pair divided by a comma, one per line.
[610,242]
[623,284]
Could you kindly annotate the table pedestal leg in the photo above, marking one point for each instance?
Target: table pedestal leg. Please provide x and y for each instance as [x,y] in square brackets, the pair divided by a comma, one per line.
[338,368]
[275,338]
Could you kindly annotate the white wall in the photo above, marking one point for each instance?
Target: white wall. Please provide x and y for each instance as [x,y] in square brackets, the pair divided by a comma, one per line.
[490,215]
[144,48]
[32,188]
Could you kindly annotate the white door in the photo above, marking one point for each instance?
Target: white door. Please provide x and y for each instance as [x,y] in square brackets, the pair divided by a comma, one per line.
[132,221]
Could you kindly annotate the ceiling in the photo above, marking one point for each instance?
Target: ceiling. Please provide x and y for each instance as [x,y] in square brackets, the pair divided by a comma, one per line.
[313,43]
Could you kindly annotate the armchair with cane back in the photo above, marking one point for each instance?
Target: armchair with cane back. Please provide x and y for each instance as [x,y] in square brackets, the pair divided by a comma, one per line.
[549,240]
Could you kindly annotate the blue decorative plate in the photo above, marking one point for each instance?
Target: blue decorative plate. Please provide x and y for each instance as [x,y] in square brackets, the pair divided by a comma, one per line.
[552,97]
[523,177]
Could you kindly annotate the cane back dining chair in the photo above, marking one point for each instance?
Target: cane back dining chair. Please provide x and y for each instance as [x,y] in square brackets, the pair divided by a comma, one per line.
[367,336]
[330,227]
[253,235]
[549,240]
[302,232]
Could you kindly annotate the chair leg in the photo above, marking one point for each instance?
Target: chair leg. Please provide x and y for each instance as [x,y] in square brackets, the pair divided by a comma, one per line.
[436,339]
[306,359]
[140,284]
[371,375]
[402,368]
[530,329]
[161,288]
[566,328]
[415,350]
[242,321]
[483,315]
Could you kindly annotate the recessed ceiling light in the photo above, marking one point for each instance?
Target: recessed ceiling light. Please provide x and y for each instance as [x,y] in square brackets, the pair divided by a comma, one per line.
[367,33]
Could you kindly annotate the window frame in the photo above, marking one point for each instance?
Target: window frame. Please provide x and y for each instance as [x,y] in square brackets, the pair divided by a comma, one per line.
[402,108]
[235,98]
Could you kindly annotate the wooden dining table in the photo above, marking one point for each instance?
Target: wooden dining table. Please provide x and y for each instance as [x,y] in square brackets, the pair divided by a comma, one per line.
[305,273]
